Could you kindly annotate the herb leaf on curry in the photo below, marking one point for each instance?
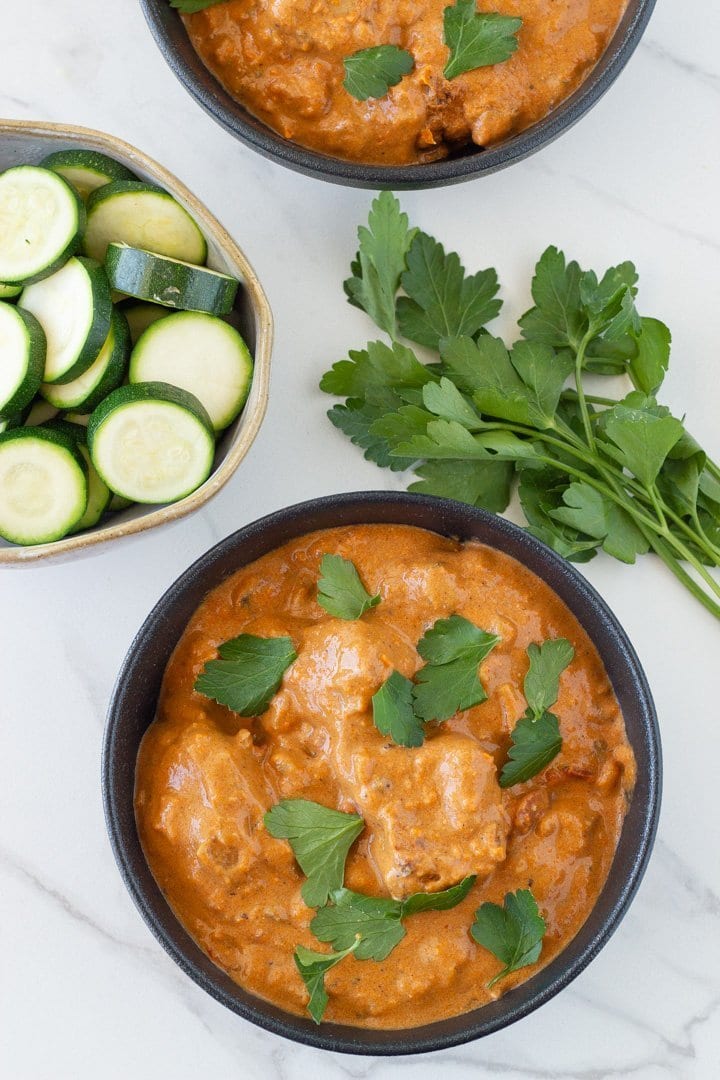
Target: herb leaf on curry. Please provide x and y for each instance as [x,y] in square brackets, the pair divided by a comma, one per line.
[189,7]
[376,922]
[248,672]
[320,839]
[477,39]
[536,739]
[340,591]
[313,967]
[513,933]
[393,712]
[369,73]
[592,472]
[448,683]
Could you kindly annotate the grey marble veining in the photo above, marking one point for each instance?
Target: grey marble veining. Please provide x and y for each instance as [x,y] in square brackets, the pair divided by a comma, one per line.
[85,991]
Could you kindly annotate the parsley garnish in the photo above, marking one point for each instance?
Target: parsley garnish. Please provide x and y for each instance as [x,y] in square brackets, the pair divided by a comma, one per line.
[448,683]
[477,39]
[371,72]
[340,590]
[376,921]
[393,712]
[248,673]
[312,967]
[320,839]
[536,738]
[513,933]
[593,472]
[188,7]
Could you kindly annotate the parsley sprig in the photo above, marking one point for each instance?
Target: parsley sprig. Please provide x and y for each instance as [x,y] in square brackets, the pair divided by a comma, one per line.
[189,7]
[369,73]
[340,590]
[477,39]
[247,673]
[593,472]
[513,933]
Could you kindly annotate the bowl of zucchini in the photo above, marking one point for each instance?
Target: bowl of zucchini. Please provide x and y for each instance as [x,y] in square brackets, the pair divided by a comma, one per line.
[135,343]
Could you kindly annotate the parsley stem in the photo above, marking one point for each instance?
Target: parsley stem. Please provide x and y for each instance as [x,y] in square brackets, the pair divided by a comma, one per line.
[579,360]
[660,549]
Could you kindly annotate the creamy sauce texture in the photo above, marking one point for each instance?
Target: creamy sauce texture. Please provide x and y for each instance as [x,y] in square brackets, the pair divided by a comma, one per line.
[433,814]
[283,59]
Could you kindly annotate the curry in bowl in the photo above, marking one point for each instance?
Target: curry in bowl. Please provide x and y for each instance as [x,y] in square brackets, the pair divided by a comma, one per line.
[395,82]
[387,776]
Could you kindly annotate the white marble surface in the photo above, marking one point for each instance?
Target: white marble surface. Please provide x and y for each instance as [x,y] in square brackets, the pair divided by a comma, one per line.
[85,992]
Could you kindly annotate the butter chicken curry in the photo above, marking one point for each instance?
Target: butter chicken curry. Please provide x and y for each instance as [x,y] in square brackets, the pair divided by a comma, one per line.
[285,61]
[363,634]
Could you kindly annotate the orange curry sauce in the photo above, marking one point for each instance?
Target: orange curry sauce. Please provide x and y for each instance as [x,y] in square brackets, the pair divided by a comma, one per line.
[283,59]
[434,814]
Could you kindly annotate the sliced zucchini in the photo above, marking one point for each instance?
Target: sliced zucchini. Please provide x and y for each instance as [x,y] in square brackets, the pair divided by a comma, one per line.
[40,413]
[99,493]
[7,423]
[118,503]
[140,316]
[142,215]
[199,353]
[104,374]
[43,485]
[42,222]
[169,282]
[8,291]
[76,418]
[73,307]
[152,442]
[22,358]
[86,170]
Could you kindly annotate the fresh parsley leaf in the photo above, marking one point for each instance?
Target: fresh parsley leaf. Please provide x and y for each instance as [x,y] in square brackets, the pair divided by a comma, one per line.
[557,318]
[313,967]
[547,663]
[357,420]
[645,440]
[380,261]
[189,7]
[486,484]
[443,399]
[513,933]
[476,39]
[393,712]
[535,743]
[375,923]
[591,512]
[340,591]
[377,367]
[369,73]
[453,650]
[248,672]
[441,301]
[443,440]
[320,839]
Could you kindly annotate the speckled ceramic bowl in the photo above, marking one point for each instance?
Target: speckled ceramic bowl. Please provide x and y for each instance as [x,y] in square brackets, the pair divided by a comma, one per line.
[471,161]
[30,141]
[135,697]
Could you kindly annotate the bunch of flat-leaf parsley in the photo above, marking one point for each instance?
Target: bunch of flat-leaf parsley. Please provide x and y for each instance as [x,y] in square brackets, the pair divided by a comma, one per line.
[592,471]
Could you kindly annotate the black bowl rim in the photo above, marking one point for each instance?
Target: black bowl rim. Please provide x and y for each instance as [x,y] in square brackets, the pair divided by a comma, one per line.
[563,968]
[165,22]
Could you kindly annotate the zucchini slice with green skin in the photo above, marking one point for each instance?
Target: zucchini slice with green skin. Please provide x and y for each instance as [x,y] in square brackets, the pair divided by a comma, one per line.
[86,170]
[76,418]
[22,358]
[152,442]
[169,282]
[104,374]
[142,215]
[7,423]
[74,309]
[8,291]
[99,493]
[43,220]
[43,485]
[140,316]
[199,353]
[117,502]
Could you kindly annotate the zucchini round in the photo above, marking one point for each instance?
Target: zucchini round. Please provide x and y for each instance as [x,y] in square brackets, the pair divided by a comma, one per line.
[141,215]
[104,374]
[43,485]
[201,354]
[140,316]
[43,219]
[8,291]
[170,282]
[151,443]
[99,494]
[74,309]
[86,170]
[22,358]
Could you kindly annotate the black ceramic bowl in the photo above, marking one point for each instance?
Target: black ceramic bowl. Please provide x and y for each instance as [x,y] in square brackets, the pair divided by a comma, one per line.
[133,707]
[169,32]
